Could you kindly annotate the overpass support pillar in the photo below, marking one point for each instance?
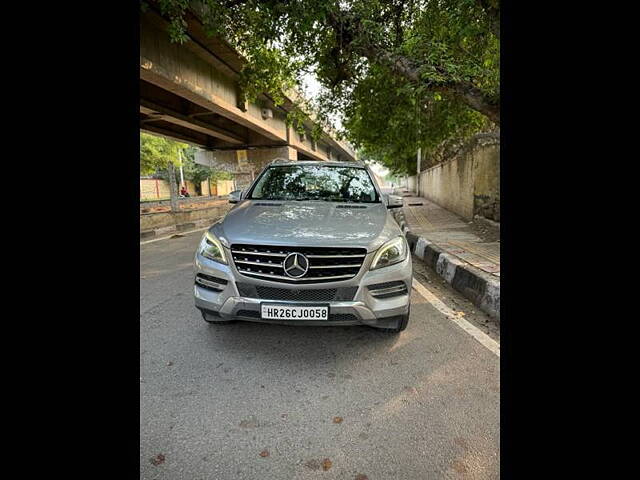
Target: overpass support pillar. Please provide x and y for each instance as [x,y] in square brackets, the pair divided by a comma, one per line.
[259,158]
[288,153]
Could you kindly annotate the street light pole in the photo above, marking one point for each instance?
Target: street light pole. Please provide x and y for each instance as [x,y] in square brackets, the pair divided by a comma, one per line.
[418,172]
[181,174]
[173,189]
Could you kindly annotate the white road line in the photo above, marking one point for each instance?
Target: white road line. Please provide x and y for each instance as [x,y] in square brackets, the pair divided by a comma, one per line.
[174,233]
[471,329]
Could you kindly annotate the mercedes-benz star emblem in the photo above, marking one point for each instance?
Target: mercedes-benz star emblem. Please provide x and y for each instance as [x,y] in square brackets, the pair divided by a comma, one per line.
[296,265]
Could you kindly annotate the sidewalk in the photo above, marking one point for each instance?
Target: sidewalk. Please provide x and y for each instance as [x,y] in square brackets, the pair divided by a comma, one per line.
[465,254]
[452,234]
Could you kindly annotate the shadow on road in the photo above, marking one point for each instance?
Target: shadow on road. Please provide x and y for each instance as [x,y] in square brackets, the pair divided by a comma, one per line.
[280,344]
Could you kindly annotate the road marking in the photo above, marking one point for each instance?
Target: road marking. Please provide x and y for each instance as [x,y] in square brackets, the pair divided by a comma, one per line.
[174,233]
[471,329]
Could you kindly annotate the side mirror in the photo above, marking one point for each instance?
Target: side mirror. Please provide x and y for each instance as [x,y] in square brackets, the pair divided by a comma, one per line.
[235,196]
[394,201]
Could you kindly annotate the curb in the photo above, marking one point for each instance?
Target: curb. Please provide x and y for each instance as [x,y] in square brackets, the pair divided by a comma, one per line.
[480,287]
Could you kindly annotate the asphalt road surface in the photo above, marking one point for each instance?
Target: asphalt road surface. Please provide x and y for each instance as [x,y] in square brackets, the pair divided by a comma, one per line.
[256,401]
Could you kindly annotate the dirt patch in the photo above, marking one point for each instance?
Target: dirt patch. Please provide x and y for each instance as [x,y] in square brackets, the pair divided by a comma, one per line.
[486,231]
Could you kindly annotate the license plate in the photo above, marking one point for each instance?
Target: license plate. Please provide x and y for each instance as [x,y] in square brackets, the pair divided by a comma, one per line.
[270,311]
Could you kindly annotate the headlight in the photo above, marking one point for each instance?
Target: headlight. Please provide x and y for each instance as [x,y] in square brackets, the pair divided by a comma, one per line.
[211,248]
[392,252]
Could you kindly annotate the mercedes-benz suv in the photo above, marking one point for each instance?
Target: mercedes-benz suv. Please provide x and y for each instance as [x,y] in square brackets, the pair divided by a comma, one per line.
[308,243]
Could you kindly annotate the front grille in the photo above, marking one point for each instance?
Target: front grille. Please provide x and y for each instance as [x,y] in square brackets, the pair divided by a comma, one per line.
[326,264]
[293,295]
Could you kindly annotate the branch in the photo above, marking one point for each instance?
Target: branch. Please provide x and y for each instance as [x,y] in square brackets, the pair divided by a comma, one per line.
[469,94]
[476,99]
[466,92]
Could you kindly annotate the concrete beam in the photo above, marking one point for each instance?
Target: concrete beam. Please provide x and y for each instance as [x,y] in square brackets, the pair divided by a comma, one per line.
[157,75]
[204,71]
[177,118]
[200,141]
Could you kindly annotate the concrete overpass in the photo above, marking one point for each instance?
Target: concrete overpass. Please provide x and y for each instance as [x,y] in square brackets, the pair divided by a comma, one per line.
[190,92]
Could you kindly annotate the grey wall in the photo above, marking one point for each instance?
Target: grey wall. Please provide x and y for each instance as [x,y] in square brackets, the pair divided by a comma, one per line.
[469,183]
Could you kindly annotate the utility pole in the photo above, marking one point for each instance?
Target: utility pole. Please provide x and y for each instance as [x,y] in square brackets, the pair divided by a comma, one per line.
[181,174]
[173,189]
[418,173]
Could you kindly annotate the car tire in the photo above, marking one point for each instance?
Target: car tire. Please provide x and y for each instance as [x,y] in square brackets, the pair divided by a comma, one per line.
[402,324]
[207,318]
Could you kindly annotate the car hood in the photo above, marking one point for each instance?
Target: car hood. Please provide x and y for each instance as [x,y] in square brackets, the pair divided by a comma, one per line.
[307,223]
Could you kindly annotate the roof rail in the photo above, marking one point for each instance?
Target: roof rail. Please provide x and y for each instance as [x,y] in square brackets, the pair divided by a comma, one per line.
[281,160]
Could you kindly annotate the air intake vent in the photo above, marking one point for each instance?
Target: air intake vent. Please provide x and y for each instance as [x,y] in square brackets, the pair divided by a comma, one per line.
[388,289]
[297,295]
[210,283]
[351,206]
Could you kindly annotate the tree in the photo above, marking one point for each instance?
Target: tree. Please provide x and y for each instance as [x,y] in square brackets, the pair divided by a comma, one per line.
[387,66]
[389,124]
[194,172]
[161,154]
[156,152]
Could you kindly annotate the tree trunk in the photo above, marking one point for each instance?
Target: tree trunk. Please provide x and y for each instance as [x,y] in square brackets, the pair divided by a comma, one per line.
[173,187]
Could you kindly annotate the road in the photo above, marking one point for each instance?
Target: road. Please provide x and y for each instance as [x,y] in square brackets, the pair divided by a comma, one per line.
[316,402]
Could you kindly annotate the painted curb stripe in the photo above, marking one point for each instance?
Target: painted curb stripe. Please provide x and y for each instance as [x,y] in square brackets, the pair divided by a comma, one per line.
[446,266]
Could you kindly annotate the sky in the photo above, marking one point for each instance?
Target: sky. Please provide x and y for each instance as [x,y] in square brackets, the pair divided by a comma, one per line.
[311,88]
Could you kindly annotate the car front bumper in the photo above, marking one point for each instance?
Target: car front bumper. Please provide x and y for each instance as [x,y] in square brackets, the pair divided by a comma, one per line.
[363,309]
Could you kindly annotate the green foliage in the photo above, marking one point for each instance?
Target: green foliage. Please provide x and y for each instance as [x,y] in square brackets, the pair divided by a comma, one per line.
[192,171]
[220,175]
[269,71]
[402,74]
[388,122]
[175,9]
[156,152]
[296,118]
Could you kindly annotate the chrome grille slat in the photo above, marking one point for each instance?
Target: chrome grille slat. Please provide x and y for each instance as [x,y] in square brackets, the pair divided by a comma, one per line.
[261,264]
[266,254]
[336,266]
[289,279]
[335,256]
[326,264]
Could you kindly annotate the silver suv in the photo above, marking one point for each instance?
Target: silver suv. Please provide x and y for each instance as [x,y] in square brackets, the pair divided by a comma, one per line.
[308,243]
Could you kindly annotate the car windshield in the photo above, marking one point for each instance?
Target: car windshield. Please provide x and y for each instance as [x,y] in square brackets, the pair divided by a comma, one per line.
[315,182]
